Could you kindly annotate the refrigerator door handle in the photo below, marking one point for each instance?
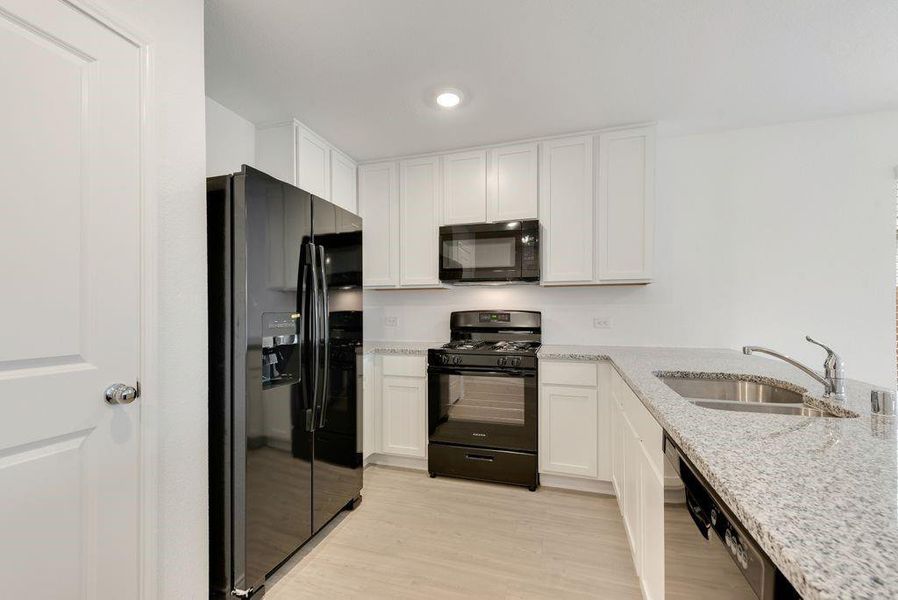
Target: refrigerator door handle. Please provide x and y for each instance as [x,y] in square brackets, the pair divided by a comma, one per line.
[302,302]
[315,332]
[325,341]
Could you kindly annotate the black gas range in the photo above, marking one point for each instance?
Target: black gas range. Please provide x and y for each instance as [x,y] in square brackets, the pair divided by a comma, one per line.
[482,398]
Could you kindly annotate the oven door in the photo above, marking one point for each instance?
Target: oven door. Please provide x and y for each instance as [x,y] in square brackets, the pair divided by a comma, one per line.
[480,407]
[489,252]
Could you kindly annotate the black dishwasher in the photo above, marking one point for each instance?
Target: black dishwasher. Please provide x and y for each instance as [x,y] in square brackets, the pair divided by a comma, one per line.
[708,554]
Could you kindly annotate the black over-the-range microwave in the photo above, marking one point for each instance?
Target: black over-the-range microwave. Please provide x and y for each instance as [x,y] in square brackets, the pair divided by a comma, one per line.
[490,252]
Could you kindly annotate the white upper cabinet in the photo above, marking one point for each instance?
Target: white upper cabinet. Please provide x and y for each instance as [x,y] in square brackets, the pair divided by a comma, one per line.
[343,181]
[593,195]
[512,183]
[293,153]
[275,151]
[626,205]
[566,210]
[464,187]
[419,210]
[379,208]
[312,163]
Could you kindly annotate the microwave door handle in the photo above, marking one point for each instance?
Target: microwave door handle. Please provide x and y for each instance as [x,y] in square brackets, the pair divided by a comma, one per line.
[325,341]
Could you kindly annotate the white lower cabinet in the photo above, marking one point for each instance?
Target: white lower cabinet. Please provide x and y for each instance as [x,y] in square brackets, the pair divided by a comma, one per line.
[403,416]
[569,442]
[575,422]
[595,432]
[652,496]
[398,406]
[573,419]
[638,479]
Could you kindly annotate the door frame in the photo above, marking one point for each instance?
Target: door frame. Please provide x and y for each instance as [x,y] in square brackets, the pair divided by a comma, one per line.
[113,19]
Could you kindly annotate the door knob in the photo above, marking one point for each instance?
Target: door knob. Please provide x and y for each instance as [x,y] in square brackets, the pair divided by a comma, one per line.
[120,393]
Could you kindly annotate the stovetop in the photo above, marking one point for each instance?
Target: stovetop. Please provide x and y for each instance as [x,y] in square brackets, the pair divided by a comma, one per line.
[519,347]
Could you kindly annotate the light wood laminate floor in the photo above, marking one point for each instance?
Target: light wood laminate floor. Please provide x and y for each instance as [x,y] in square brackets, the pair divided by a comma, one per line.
[416,537]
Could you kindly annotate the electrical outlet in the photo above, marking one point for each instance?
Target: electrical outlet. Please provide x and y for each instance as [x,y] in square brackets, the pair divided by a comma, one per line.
[602,323]
[391,321]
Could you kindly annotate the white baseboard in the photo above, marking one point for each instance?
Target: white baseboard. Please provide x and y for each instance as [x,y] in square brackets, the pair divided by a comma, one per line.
[403,462]
[577,484]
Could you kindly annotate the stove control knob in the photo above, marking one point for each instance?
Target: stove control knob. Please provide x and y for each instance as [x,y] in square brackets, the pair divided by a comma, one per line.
[515,362]
[501,361]
[444,359]
[456,360]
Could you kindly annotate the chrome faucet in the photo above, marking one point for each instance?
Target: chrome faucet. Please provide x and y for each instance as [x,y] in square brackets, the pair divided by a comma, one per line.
[833,367]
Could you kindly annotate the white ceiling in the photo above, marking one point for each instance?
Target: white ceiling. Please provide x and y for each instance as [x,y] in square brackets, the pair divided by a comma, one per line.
[363,73]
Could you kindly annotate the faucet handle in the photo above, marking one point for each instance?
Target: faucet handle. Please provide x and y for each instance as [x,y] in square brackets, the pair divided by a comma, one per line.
[824,346]
[833,365]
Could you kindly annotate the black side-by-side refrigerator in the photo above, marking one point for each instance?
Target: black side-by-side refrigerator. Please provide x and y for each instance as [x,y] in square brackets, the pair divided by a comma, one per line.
[285,368]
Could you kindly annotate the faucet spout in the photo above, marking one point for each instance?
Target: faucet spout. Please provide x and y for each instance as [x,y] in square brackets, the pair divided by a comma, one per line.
[833,380]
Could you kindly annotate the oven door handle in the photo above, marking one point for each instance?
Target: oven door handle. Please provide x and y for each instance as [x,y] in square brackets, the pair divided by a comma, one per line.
[473,372]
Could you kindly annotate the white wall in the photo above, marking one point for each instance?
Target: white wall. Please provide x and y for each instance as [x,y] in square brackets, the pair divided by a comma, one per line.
[175,31]
[230,140]
[763,235]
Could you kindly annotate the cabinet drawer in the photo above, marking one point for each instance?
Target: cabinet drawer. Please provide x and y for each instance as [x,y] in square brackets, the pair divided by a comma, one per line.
[569,373]
[504,466]
[403,366]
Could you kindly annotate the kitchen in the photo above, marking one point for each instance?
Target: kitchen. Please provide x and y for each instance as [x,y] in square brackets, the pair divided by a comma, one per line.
[450,300]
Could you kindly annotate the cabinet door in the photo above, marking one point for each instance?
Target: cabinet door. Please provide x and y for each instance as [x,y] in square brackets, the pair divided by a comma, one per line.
[368,406]
[566,210]
[464,187]
[512,190]
[379,208]
[604,421]
[275,151]
[343,181]
[633,495]
[569,430]
[419,208]
[404,427]
[617,450]
[652,528]
[312,163]
[624,242]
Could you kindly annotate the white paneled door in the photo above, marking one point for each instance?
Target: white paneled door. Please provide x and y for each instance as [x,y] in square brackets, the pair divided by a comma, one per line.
[69,312]
[419,221]
[464,187]
[379,207]
[566,211]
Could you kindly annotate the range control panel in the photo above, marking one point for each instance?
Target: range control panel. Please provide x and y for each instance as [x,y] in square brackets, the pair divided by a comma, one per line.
[495,317]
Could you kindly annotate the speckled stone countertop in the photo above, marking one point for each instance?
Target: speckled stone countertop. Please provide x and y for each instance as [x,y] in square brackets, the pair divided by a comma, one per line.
[408,348]
[819,494]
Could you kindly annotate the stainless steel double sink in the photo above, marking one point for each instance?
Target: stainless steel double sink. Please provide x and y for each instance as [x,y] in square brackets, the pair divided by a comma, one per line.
[742,395]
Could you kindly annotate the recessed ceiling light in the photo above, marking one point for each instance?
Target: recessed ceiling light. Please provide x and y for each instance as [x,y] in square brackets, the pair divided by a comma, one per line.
[448,99]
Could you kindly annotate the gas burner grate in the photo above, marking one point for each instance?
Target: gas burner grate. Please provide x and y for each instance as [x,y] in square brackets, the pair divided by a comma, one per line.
[465,345]
[507,346]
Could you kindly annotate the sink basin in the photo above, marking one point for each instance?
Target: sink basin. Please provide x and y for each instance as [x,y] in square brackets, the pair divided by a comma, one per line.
[742,396]
[733,390]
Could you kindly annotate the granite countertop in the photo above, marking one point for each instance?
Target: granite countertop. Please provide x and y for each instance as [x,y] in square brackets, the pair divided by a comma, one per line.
[407,348]
[819,494]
